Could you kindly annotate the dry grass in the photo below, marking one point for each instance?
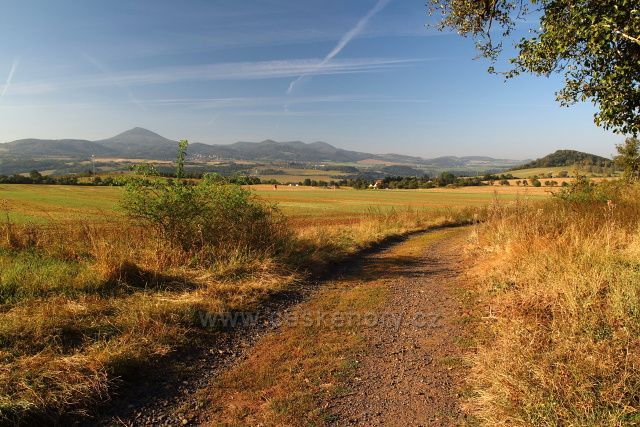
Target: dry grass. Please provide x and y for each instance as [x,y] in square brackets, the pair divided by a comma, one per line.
[563,285]
[327,243]
[82,304]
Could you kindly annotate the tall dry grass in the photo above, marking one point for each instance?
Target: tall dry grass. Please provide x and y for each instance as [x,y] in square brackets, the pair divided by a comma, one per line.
[82,304]
[562,284]
[318,245]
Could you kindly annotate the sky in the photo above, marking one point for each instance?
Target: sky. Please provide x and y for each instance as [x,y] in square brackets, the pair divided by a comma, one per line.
[366,75]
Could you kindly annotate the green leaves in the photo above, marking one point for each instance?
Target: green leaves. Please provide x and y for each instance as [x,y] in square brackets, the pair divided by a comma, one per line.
[182,154]
[629,158]
[206,216]
[594,44]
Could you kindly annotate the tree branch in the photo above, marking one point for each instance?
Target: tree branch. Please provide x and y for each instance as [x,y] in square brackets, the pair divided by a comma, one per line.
[628,37]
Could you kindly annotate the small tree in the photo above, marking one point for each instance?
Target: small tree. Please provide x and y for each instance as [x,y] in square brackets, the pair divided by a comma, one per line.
[446,178]
[628,158]
[36,177]
[182,154]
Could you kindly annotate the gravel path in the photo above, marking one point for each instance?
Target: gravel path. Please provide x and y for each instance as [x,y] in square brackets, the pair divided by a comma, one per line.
[412,375]
[399,370]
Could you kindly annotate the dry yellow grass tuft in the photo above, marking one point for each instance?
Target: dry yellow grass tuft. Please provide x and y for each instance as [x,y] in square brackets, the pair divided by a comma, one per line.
[562,281]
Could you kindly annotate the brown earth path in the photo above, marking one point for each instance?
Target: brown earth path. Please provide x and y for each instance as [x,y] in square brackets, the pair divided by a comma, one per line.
[398,361]
[413,375]
[404,369]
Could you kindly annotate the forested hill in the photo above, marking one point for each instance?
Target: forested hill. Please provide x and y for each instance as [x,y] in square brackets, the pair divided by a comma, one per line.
[566,158]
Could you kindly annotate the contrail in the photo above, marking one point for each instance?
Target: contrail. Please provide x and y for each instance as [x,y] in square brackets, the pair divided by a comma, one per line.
[344,41]
[9,78]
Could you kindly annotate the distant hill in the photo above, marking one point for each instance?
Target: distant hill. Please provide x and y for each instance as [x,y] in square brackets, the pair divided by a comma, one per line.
[566,158]
[401,170]
[270,150]
[139,143]
[73,148]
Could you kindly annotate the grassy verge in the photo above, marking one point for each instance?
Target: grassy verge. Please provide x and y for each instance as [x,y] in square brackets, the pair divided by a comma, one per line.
[562,285]
[84,304]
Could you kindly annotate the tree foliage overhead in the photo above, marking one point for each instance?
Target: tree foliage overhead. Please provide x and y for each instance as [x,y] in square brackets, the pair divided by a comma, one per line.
[594,43]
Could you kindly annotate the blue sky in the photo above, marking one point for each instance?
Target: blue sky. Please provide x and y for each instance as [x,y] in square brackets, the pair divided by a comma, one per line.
[360,74]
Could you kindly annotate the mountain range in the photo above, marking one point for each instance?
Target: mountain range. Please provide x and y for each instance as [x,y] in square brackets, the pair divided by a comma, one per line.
[139,143]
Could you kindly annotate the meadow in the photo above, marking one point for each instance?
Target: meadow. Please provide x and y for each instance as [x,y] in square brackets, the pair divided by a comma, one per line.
[293,175]
[41,203]
[90,298]
[48,202]
[559,283]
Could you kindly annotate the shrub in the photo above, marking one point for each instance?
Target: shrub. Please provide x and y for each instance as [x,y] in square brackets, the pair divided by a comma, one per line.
[210,215]
[583,190]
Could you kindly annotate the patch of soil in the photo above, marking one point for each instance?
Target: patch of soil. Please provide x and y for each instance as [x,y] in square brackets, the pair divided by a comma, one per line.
[413,374]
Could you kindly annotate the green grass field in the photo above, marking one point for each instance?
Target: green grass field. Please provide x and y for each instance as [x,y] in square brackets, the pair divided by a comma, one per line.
[54,202]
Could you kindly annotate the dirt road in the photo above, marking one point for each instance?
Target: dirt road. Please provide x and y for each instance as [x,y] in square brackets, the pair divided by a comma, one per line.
[412,375]
[397,361]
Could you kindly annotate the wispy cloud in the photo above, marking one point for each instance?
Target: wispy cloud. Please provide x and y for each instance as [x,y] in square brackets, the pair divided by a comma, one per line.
[315,113]
[249,101]
[245,102]
[109,75]
[221,71]
[7,83]
[342,43]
